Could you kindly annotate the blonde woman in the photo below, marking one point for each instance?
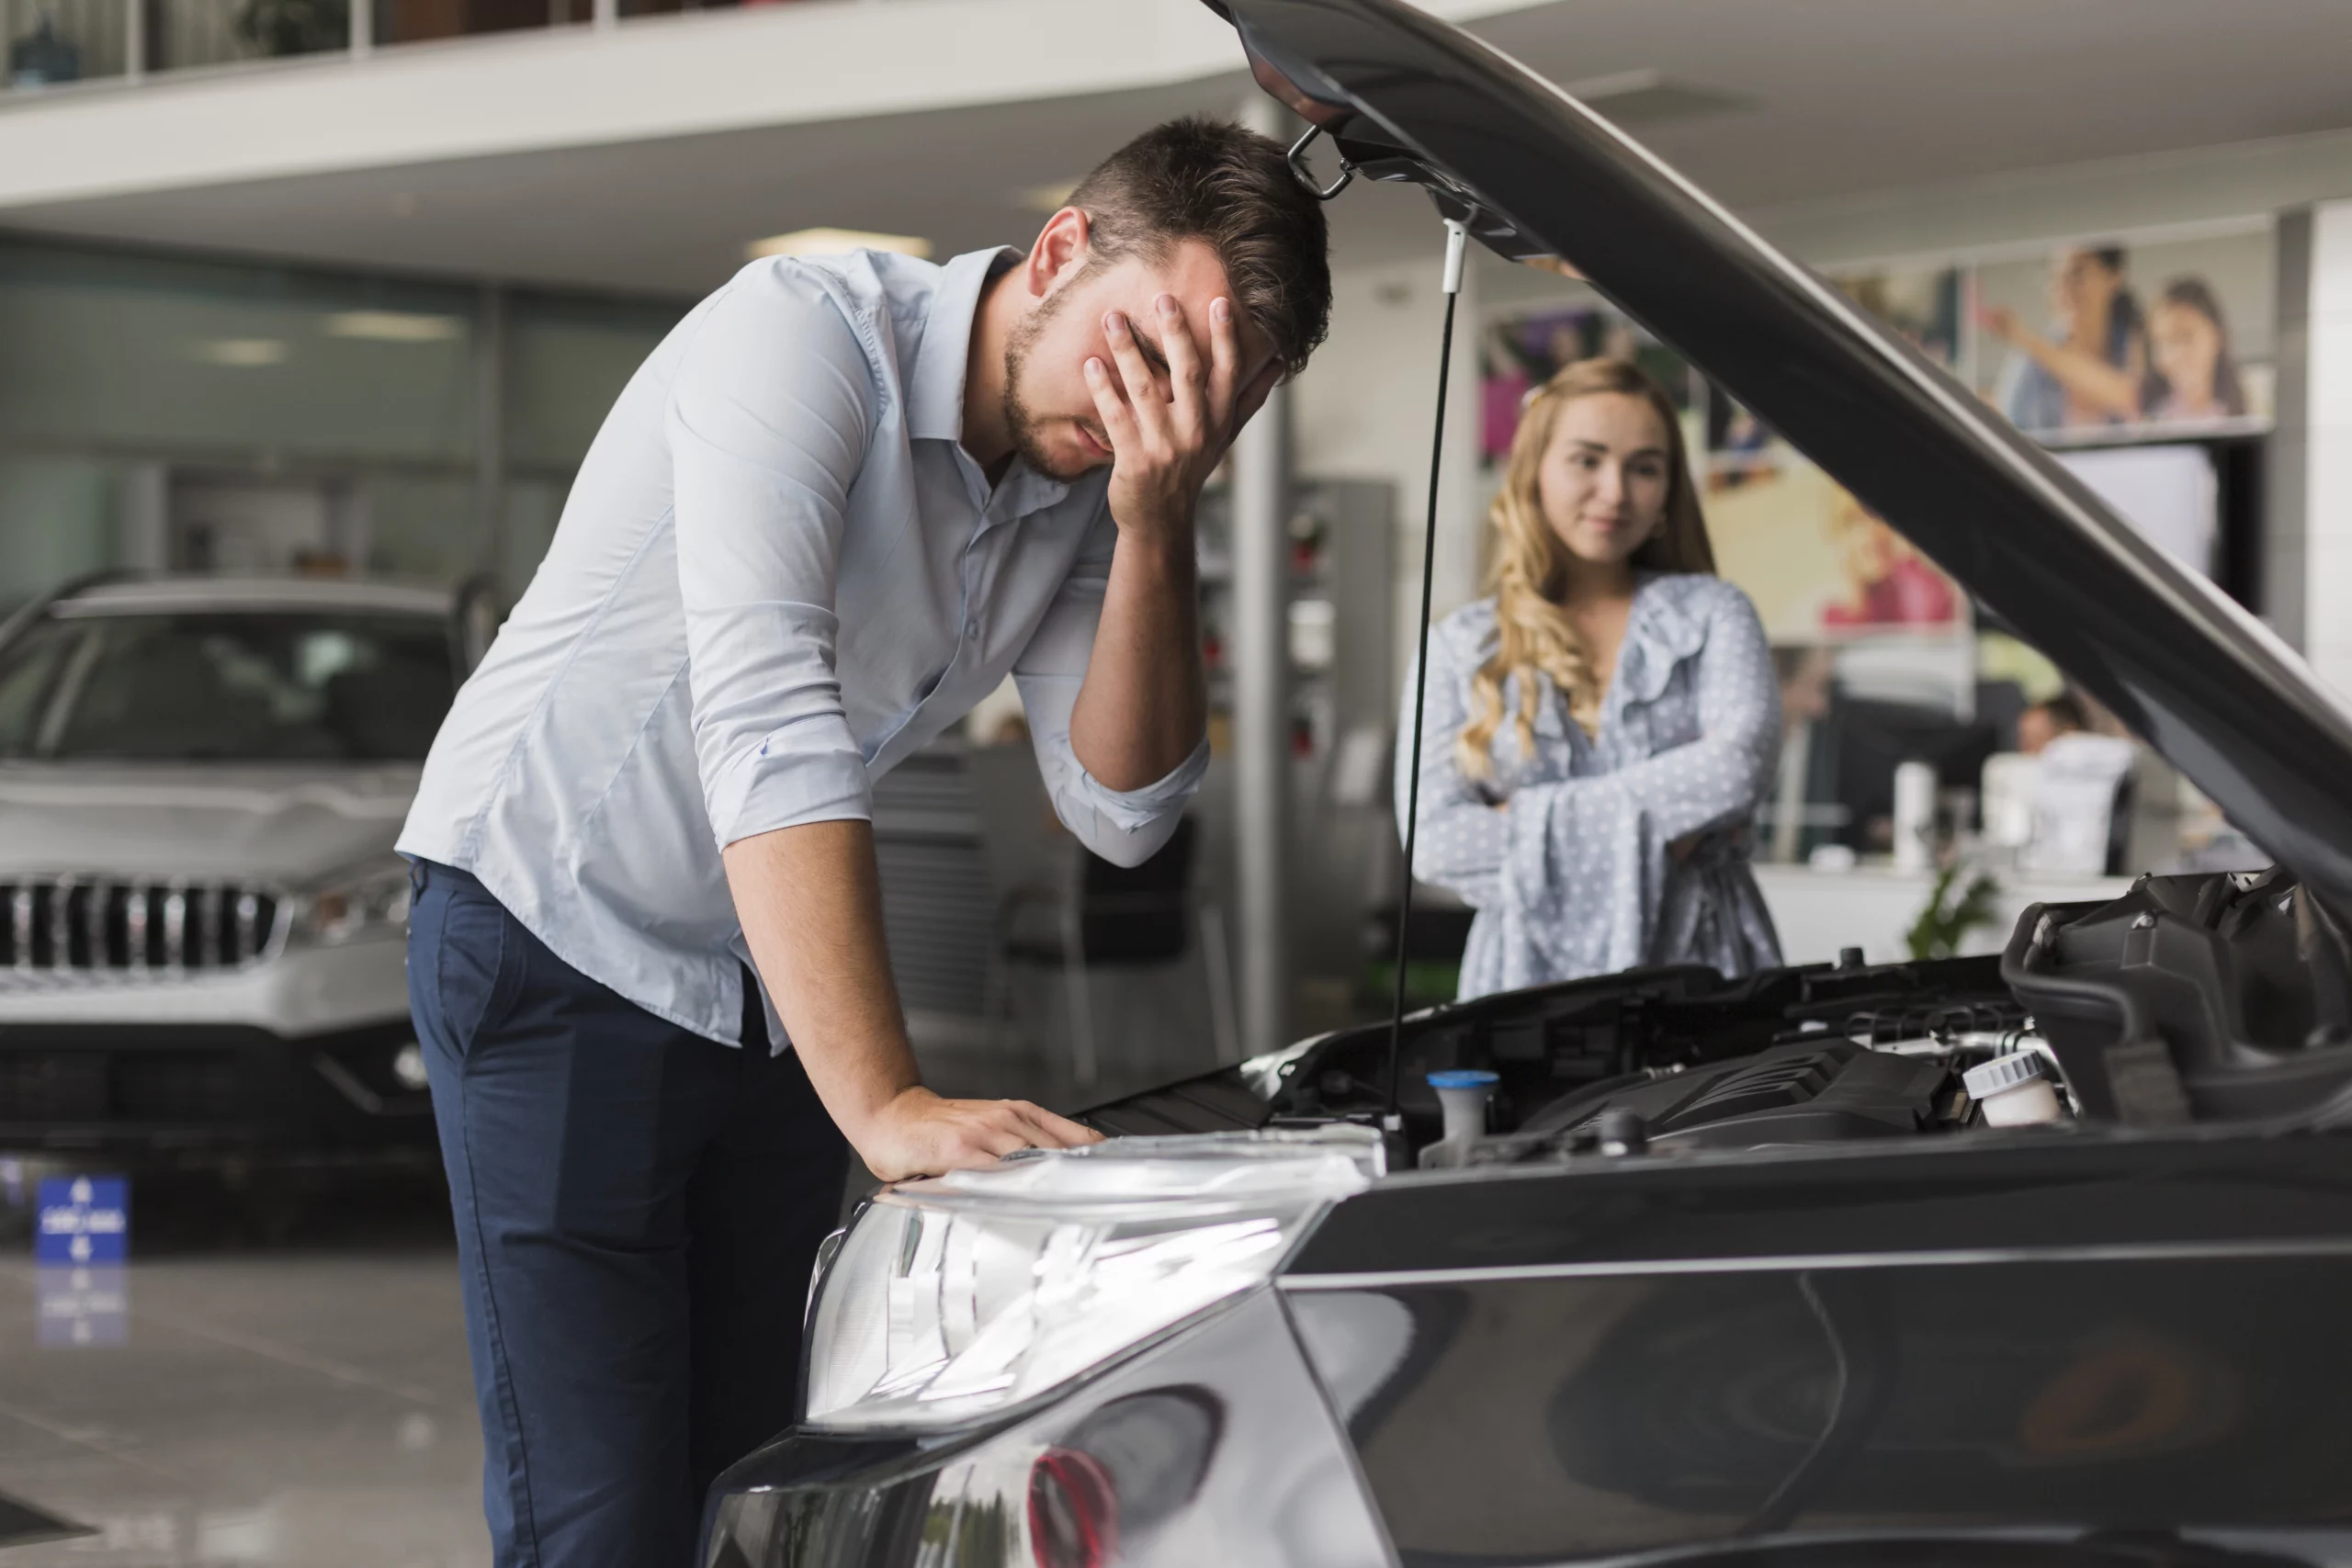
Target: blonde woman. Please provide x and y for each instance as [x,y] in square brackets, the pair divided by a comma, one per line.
[1601,727]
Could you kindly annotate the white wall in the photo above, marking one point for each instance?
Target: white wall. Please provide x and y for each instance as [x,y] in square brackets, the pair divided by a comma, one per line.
[1365,407]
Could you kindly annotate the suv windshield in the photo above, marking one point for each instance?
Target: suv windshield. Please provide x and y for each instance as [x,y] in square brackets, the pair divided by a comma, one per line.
[237,685]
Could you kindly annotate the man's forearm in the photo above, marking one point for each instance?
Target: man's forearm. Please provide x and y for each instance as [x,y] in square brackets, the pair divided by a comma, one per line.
[811,903]
[1144,703]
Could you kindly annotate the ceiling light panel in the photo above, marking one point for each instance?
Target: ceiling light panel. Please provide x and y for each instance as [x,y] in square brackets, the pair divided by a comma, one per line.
[394,326]
[1047,199]
[834,241]
[242,353]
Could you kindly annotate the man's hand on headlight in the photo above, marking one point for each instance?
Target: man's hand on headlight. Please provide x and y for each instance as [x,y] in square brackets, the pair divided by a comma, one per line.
[810,899]
[918,1134]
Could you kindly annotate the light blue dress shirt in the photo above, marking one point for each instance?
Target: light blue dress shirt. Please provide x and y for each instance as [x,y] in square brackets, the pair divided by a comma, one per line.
[778,574]
[1579,876]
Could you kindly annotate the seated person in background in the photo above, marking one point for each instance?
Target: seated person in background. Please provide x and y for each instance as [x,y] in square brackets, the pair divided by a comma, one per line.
[1603,825]
[2046,720]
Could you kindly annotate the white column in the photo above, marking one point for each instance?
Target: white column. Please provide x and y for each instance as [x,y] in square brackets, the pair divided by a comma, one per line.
[2327,494]
[2287,456]
[363,29]
[143,540]
[1261,699]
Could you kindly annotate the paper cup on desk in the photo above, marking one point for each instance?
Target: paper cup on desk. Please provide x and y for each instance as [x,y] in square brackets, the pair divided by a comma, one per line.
[1915,817]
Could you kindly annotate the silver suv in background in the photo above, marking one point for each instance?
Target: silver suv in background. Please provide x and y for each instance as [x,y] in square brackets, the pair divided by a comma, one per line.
[200,913]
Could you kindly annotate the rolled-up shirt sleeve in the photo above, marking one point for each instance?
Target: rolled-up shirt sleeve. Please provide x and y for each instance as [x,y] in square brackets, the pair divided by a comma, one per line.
[769,419]
[1124,826]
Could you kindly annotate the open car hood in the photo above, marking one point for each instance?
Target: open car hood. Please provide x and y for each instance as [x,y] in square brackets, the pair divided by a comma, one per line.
[1408,97]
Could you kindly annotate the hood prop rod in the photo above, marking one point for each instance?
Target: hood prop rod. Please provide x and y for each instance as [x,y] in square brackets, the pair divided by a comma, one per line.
[1457,236]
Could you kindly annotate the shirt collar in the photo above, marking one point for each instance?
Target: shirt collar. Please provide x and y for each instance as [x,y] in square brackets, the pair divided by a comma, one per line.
[934,393]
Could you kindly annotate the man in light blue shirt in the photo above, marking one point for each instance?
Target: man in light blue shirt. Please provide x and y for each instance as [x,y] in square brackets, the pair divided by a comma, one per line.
[839,503]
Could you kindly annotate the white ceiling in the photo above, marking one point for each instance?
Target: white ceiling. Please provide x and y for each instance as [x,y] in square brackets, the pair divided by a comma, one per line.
[1864,94]
[1844,95]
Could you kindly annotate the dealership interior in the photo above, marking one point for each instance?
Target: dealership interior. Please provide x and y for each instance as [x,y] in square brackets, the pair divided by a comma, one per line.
[311,310]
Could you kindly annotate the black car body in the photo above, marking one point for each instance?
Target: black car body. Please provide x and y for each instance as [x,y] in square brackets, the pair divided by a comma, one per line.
[1744,1273]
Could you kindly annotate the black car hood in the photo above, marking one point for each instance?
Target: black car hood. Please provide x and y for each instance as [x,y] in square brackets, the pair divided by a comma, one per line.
[1408,96]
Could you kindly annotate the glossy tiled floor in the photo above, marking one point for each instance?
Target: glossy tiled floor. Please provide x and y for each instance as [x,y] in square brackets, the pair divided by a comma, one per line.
[286,1382]
[303,1404]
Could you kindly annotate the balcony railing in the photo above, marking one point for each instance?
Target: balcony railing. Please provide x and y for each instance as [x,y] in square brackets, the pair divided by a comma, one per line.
[56,43]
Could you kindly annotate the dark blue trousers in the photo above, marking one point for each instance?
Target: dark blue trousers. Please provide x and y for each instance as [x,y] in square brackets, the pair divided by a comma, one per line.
[637,1212]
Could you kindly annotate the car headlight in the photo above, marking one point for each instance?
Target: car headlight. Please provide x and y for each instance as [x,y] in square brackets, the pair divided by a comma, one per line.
[344,906]
[961,1296]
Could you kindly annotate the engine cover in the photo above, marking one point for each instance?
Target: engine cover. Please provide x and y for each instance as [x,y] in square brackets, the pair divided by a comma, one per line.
[1833,1091]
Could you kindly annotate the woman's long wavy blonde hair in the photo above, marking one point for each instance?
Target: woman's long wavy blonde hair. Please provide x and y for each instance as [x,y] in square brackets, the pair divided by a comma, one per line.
[1531,566]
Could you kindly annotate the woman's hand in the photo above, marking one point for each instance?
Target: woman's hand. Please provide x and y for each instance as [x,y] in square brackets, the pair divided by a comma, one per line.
[2002,322]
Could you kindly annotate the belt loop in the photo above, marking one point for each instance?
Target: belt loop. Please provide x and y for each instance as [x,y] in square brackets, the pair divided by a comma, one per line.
[416,877]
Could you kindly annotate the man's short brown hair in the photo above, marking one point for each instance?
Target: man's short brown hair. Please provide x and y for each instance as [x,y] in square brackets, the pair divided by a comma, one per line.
[1232,189]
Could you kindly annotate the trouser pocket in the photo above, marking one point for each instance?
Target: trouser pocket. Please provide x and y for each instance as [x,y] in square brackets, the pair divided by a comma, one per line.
[465,963]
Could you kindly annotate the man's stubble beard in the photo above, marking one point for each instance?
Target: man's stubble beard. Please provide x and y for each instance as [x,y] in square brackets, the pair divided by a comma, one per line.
[1019,422]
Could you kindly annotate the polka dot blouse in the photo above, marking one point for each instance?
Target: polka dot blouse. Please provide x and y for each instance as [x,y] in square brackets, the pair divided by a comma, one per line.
[1581,876]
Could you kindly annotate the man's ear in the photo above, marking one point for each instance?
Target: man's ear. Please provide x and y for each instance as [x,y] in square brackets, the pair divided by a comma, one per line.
[1060,252]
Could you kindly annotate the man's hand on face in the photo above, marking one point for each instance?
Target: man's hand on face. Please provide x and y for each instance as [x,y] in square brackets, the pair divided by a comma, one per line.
[918,1134]
[1169,431]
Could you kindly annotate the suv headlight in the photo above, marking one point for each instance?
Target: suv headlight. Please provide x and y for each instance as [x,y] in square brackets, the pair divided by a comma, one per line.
[349,903]
[959,1297]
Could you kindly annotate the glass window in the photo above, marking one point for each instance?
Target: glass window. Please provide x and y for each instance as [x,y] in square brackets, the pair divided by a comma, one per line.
[567,360]
[227,686]
[526,528]
[423,527]
[166,355]
[57,521]
[65,40]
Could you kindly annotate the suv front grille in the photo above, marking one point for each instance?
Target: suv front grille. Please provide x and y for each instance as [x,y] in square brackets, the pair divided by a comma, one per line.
[84,925]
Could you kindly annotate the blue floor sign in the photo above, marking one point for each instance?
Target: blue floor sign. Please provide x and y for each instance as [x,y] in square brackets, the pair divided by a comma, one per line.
[84,1219]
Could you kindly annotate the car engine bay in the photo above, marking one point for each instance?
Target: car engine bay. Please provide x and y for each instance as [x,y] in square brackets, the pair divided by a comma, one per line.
[2214,996]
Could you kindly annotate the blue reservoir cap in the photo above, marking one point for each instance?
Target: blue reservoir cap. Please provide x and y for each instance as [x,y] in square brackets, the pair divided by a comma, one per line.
[1462,1077]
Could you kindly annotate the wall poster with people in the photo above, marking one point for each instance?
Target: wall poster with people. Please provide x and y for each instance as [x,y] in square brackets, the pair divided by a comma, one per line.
[2106,341]
[1521,351]
[2117,338]
[2144,360]
[1820,565]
